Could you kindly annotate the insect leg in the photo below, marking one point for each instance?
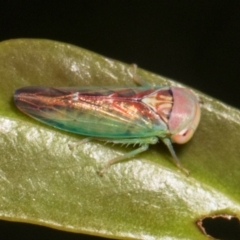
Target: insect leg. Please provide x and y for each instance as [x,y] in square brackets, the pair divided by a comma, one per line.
[168,143]
[85,140]
[121,158]
[144,142]
[138,80]
[134,141]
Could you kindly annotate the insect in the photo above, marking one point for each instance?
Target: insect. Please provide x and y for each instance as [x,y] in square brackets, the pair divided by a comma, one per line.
[140,115]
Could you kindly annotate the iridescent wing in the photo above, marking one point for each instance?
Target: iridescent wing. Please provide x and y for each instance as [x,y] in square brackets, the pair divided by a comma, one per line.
[108,113]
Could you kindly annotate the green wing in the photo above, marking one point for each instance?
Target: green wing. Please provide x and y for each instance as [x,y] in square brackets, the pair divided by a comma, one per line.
[107,113]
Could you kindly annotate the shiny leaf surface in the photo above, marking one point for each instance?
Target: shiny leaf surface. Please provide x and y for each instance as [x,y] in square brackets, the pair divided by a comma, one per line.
[42,181]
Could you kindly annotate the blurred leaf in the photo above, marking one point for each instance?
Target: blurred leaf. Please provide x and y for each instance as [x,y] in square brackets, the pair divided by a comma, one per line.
[43,182]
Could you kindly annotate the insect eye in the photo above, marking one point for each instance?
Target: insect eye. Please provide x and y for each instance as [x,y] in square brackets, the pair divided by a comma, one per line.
[183,136]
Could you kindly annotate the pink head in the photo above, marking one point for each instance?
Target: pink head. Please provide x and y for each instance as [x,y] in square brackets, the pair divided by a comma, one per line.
[185,115]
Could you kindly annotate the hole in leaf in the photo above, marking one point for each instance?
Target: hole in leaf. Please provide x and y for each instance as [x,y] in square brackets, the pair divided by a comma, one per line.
[221,227]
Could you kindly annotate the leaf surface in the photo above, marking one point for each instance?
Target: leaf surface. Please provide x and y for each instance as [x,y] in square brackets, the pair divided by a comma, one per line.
[43,182]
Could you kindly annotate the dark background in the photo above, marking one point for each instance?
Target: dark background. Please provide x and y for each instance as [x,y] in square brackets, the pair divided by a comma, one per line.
[193,42]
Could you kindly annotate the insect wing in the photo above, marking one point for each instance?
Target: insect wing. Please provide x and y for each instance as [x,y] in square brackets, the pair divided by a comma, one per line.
[109,113]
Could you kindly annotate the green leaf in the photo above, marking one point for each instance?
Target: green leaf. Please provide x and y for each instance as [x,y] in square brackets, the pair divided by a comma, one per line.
[42,181]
